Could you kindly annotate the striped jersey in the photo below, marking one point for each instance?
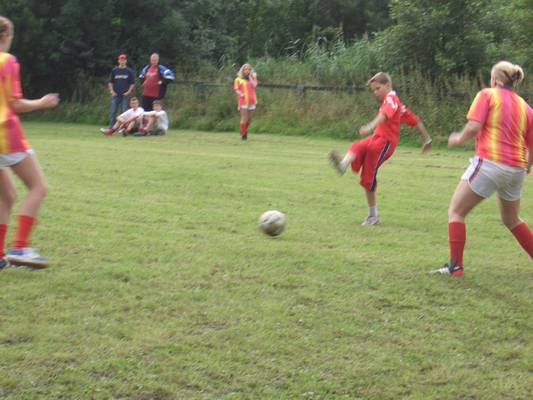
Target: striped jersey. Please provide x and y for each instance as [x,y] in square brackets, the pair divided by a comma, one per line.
[11,135]
[247,88]
[507,130]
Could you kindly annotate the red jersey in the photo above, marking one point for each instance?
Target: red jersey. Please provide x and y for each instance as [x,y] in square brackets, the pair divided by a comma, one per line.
[11,135]
[507,130]
[151,82]
[408,117]
[390,128]
[247,88]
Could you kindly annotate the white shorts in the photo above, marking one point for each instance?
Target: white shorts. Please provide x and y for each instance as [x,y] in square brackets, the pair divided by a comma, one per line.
[250,107]
[9,159]
[486,177]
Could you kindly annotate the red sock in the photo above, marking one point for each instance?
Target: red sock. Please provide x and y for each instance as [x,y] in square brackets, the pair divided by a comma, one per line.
[523,234]
[3,231]
[457,238]
[22,234]
[246,128]
[243,128]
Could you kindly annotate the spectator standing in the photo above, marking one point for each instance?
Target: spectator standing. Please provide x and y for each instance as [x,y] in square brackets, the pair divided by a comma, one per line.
[121,84]
[155,78]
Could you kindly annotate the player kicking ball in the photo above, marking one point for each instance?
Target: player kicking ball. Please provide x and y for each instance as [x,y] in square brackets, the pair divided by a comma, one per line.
[367,155]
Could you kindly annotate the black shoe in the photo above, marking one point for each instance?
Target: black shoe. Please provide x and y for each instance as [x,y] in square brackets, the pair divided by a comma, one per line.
[4,263]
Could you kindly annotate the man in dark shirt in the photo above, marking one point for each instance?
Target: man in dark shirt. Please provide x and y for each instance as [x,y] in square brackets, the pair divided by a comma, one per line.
[121,84]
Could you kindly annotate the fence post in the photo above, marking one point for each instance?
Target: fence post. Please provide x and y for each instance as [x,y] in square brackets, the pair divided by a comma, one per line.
[302,90]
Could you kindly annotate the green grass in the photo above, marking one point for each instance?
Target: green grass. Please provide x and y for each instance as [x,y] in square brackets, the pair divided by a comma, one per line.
[162,286]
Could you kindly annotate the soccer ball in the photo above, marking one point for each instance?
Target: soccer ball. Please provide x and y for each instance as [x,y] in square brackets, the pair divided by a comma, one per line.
[272,222]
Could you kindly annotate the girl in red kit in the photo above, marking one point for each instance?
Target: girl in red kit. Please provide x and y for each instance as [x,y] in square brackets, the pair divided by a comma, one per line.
[244,86]
[502,124]
[367,155]
[16,154]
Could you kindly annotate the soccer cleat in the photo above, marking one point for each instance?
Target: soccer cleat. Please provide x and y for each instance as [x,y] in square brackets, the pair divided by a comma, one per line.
[107,132]
[244,137]
[447,269]
[4,263]
[369,221]
[335,159]
[26,256]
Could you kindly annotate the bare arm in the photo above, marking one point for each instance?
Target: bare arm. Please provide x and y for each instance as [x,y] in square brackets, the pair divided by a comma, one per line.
[130,89]
[24,105]
[426,146]
[372,125]
[110,87]
[469,131]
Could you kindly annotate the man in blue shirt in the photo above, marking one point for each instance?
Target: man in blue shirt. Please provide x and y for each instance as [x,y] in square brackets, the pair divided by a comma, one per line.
[121,83]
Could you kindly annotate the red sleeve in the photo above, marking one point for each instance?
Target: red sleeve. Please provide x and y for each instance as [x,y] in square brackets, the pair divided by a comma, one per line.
[389,106]
[11,76]
[529,134]
[480,108]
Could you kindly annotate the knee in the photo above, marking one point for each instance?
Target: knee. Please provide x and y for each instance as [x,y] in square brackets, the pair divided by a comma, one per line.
[455,215]
[40,190]
[9,197]
[511,221]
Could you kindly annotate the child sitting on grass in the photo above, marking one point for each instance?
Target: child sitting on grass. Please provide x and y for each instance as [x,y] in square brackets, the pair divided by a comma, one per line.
[154,122]
[127,122]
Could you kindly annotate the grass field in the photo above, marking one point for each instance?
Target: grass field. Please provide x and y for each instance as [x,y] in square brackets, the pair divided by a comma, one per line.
[162,287]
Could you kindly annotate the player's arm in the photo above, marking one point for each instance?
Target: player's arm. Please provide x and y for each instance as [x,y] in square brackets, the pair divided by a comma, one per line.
[24,105]
[111,91]
[426,146]
[130,89]
[470,130]
[372,124]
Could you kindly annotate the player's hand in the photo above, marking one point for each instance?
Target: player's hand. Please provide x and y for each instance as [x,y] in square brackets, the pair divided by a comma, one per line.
[455,140]
[50,100]
[426,147]
[364,130]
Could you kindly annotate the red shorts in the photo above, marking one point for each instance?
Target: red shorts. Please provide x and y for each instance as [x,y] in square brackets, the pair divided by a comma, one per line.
[407,117]
[370,153]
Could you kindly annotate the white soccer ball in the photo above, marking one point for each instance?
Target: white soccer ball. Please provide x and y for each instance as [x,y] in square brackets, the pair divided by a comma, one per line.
[272,222]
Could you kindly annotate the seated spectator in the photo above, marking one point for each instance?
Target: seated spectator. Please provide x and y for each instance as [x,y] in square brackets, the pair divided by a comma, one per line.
[155,122]
[129,121]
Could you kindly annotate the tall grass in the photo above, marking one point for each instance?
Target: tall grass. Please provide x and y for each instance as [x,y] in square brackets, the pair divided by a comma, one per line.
[441,102]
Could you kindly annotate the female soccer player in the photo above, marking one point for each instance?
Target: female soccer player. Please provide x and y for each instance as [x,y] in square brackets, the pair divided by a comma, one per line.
[16,154]
[502,124]
[366,156]
[244,86]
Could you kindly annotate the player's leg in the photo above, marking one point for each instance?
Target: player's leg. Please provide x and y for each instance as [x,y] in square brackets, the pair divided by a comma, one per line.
[354,156]
[463,201]
[243,122]
[509,212]
[8,195]
[29,171]
[372,218]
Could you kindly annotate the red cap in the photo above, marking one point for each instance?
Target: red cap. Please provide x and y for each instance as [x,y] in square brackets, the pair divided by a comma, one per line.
[122,57]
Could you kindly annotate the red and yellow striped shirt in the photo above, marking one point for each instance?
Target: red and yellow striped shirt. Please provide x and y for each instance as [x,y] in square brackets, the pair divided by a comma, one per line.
[507,130]
[11,135]
[247,88]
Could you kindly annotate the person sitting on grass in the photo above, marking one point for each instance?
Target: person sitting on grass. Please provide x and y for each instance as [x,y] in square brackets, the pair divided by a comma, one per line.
[155,122]
[127,122]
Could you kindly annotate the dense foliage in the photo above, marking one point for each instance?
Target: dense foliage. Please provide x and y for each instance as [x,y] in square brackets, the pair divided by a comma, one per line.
[63,42]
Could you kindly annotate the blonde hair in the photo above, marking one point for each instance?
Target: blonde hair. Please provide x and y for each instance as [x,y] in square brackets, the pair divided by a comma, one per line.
[505,73]
[240,73]
[380,77]
[6,26]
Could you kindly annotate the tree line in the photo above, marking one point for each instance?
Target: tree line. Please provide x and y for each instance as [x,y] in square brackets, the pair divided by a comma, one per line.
[63,43]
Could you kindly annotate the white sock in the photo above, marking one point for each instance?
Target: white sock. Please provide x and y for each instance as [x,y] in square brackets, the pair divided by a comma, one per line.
[373,211]
[346,161]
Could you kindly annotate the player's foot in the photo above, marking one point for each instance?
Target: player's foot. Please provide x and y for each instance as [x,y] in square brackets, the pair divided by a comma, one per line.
[244,138]
[447,269]
[107,132]
[369,221]
[4,263]
[335,159]
[26,256]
